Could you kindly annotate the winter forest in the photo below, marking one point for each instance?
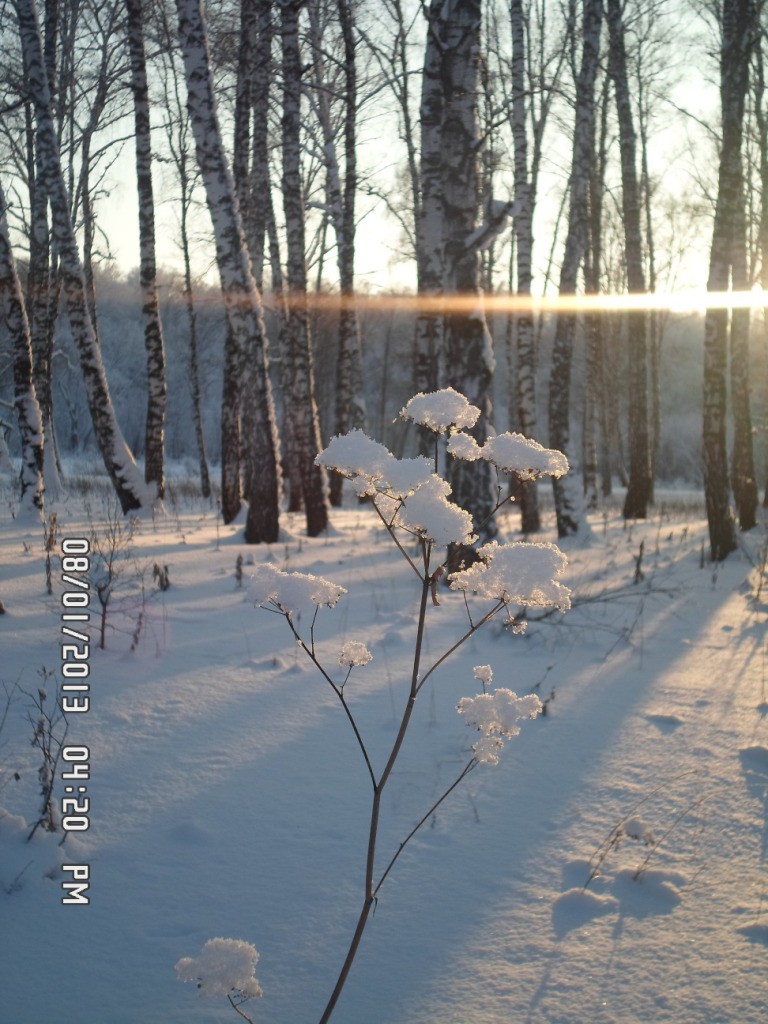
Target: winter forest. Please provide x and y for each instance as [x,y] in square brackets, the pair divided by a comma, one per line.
[438,331]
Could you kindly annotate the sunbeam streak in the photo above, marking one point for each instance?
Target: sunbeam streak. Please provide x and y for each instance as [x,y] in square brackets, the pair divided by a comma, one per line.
[676,302]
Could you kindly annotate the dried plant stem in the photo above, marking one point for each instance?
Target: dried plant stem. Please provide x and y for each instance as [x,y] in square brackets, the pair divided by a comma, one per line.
[378,790]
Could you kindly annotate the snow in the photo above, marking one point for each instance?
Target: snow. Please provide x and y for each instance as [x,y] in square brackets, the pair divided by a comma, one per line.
[354,653]
[511,453]
[229,797]
[495,715]
[440,410]
[514,453]
[291,592]
[223,965]
[517,573]
[484,674]
[428,513]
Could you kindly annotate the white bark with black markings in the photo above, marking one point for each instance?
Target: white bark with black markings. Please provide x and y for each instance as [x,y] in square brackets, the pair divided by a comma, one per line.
[298,372]
[25,400]
[567,501]
[118,459]
[241,297]
[150,307]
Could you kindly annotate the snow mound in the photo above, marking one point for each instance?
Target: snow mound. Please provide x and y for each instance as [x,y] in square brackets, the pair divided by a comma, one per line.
[577,907]
[651,893]
[754,760]
[755,933]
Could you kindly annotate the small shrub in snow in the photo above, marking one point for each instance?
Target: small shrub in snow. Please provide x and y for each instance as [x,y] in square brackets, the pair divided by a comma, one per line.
[49,730]
[412,502]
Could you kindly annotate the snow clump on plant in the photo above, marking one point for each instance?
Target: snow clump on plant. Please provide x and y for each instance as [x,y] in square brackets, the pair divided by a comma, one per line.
[224,965]
[354,652]
[440,410]
[429,514]
[517,573]
[484,674]
[511,453]
[496,715]
[405,491]
[291,591]
[371,467]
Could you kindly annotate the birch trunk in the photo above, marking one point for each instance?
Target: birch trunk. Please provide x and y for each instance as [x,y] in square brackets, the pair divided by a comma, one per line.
[737,27]
[179,144]
[118,460]
[639,490]
[25,400]
[42,286]
[743,479]
[39,288]
[428,341]
[300,396]
[350,401]
[594,397]
[469,350]
[259,183]
[349,409]
[150,308]
[762,125]
[566,500]
[525,200]
[241,297]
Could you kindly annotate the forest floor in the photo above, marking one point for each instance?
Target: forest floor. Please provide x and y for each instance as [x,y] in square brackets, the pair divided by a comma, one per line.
[228,796]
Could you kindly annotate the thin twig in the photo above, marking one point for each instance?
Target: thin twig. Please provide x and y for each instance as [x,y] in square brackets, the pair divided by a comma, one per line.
[459,642]
[339,693]
[237,1009]
[465,771]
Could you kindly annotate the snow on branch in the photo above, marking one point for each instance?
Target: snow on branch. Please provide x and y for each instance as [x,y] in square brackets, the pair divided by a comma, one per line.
[511,453]
[223,966]
[496,715]
[405,491]
[440,410]
[517,573]
[354,652]
[291,591]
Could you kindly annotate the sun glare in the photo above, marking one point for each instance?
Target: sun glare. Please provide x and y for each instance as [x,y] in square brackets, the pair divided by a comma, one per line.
[690,301]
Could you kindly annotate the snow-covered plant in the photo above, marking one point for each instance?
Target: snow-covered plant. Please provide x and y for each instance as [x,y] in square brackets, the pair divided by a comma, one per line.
[413,502]
[224,967]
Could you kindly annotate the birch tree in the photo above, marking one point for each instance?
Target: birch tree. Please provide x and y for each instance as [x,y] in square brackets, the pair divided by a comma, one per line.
[349,408]
[298,371]
[639,490]
[566,501]
[42,285]
[118,459]
[528,117]
[595,425]
[150,309]
[737,27]
[761,118]
[25,400]
[241,297]
[468,347]
[428,343]
[180,145]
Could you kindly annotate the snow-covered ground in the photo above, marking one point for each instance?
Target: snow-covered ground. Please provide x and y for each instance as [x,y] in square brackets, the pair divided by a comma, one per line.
[229,797]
